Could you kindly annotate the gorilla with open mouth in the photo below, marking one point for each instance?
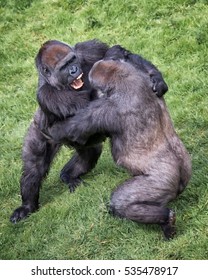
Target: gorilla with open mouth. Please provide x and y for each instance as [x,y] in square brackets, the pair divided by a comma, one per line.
[64,89]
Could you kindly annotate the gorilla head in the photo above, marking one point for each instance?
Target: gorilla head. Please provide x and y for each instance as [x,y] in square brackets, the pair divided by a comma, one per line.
[59,65]
[109,76]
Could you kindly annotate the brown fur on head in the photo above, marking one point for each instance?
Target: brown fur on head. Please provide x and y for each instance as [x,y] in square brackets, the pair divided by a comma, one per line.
[104,74]
[52,52]
[109,75]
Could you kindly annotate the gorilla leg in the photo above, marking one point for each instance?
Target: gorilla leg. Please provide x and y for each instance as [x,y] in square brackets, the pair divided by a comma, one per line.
[38,153]
[142,199]
[82,162]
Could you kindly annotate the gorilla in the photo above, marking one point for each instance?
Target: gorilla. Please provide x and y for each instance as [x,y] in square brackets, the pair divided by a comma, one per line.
[142,137]
[63,90]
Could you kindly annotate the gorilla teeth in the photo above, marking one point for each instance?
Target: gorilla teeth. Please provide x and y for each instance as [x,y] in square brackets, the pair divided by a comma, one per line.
[79,77]
[77,83]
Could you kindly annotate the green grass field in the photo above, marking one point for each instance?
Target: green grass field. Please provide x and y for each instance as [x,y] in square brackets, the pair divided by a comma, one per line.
[171,34]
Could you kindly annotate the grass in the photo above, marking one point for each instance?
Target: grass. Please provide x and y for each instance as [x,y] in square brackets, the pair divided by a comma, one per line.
[173,35]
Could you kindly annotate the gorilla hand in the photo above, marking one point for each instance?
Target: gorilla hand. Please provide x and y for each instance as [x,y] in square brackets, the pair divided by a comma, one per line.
[158,85]
[68,131]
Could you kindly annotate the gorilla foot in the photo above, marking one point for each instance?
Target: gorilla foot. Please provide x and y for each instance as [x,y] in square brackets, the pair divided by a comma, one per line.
[168,228]
[22,212]
[71,182]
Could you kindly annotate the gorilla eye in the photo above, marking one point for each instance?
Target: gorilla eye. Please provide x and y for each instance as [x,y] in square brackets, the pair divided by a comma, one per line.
[73,58]
[46,71]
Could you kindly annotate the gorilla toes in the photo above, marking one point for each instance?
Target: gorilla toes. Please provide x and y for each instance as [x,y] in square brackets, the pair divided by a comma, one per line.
[74,183]
[21,213]
[71,182]
[168,228]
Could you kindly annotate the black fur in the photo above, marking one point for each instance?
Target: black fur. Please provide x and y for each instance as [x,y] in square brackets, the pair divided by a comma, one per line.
[60,95]
[143,141]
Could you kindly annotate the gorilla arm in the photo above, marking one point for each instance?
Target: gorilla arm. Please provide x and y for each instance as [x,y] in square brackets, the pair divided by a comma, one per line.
[158,84]
[98,117]
[91,51]
[61,103]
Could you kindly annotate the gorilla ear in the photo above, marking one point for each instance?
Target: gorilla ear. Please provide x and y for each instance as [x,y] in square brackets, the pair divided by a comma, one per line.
[46,71]
[97,76]
[101,75]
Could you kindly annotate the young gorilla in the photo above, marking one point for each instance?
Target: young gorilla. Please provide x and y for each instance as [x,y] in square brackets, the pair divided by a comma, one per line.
[63,89]
[143,141]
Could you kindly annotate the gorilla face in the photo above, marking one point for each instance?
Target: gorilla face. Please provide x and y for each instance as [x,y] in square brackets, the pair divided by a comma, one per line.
[59,66]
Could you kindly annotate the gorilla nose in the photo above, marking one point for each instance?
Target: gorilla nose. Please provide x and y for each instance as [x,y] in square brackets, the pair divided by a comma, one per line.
[73,70]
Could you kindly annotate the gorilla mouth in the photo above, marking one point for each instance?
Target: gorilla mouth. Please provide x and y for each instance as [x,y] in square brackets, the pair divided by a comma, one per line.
[77,83]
